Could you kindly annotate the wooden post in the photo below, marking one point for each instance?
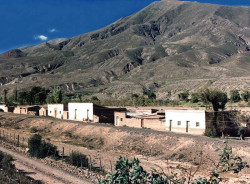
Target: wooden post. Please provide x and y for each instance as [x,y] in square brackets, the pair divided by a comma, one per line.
[17,140]
[62,153]
[111,166]
[100,163]
[90,163]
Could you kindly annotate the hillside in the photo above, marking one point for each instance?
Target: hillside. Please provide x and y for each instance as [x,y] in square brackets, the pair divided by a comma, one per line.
[169,46]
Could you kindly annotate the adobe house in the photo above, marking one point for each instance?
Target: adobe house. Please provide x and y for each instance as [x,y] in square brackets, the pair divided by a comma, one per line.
[141,119]
[57,111]
[43,111]
[29,110]
[4,108]
[186,121]
[91,112]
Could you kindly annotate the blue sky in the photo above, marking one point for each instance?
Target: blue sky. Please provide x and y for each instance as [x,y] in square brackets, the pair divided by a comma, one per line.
[30,22]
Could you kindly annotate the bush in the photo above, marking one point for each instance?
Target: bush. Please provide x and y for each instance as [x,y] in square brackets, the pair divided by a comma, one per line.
[41,149]
[209,132]
[235,96]
[78,159]
[194,98]
[183,96]
[33,130]
[245,95]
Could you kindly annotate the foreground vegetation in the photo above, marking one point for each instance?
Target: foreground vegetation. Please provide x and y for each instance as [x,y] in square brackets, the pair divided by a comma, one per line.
[9,174]
[131,172]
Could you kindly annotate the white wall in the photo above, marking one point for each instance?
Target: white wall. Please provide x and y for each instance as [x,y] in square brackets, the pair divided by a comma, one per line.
[2,107]
[81,110]
[58,108]
[192,116]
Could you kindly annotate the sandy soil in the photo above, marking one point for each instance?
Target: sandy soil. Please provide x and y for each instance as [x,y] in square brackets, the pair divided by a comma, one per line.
[42,172]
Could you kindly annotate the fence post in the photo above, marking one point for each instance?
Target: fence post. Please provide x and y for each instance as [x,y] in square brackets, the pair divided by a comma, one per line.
[100,163]
[111,166]
[62,153]
[17,140]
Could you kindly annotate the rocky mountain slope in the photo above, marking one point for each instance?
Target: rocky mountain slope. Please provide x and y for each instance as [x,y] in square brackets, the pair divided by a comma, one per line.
[169,46]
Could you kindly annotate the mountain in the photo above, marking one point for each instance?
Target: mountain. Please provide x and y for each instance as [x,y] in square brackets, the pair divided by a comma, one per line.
[169,46]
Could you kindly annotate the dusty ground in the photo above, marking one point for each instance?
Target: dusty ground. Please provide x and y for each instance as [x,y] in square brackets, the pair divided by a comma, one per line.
[39,171]
[107,143]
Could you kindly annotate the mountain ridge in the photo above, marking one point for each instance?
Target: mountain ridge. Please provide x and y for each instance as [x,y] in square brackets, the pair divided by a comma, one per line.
[168,47]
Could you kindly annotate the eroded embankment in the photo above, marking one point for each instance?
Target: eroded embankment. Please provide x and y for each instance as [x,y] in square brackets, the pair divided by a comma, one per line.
[123,140]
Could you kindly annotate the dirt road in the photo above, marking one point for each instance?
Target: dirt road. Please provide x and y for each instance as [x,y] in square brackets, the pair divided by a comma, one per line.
[42,172]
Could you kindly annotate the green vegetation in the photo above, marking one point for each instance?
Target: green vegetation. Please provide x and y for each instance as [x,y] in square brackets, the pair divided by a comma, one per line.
[8,172]
[183,96]
[77,159]
[245,95]
[235,96]
[41,149]
[131,172]
[37,95]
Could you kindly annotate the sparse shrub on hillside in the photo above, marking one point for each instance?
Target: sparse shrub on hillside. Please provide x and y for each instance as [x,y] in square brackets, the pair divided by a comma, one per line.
[41,149]
[245,95]
[77,159]
[33,130]
[235,96]
[194,98]
[183,96]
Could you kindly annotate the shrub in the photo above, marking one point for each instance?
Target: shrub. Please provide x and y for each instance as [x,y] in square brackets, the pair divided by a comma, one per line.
[183,96]
[194,98]
[78,159]
[41,149]
[235,96]
[33,130]
[209,132]
[245,95]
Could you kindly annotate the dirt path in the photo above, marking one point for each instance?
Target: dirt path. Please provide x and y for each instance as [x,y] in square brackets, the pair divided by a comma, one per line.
[42,172]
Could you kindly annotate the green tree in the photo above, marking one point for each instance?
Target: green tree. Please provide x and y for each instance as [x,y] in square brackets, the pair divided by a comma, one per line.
[217,98]
[194,98]
[245,95]
[57,95]
[151,95]
[235,96]
[183,96]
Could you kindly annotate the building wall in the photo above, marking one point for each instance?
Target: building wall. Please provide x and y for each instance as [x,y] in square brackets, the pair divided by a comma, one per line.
[121,120]
[155,124]
[43,112]
[55,110]
[187,119]
[65,114]
[2,108]
[81,111]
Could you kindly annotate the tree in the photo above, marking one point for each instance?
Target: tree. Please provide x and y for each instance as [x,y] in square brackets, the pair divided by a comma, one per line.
[194,98]
[183,96]
[245,95]
[235,96]
[151,95]
[217,98]
[5,91]
[57,95]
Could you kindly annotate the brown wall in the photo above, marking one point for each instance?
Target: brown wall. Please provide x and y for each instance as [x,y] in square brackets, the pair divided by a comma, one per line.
[43,112]
[155,124]
[190,130]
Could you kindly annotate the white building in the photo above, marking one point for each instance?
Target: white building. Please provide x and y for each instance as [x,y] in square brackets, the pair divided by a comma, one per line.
[56,110]
[186,121]
[81,111]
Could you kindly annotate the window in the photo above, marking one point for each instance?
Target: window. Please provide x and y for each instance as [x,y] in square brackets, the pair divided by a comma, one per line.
[121,119]
[178,123]
[60,112]
[197,124]
[50,112]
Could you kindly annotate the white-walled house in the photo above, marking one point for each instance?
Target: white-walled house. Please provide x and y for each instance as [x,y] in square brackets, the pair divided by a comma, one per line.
[92,112]
[81,111]
[56,110]
[186,121]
